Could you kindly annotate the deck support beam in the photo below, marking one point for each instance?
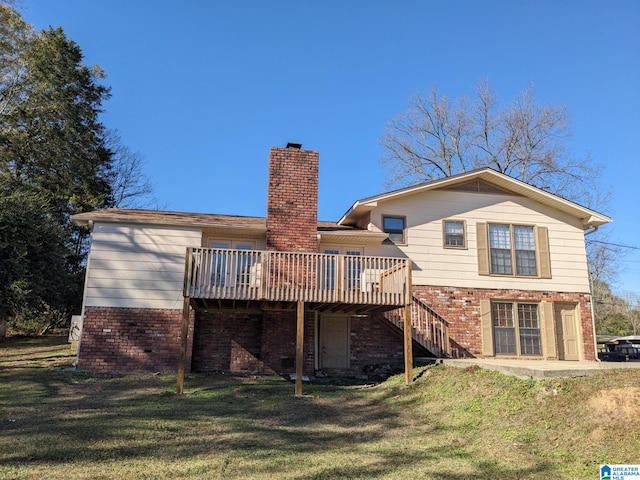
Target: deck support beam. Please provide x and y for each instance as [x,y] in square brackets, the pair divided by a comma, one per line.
[408,331]
[408,346]
[183,345]
[299,348]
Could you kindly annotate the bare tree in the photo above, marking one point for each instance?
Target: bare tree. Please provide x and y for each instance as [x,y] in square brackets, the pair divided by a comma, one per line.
[436,137]
[130,187]
[632,311]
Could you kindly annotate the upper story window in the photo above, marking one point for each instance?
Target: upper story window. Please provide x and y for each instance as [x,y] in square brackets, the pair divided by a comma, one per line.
[516,250]
[453,232]
[511,245]
[395,227]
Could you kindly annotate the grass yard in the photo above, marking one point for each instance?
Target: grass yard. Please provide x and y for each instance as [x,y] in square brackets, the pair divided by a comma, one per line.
[450,424]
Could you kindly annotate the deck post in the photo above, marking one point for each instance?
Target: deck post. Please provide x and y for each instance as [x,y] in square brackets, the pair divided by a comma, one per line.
[183,345]
[408,330]
[299,347]
[408,346]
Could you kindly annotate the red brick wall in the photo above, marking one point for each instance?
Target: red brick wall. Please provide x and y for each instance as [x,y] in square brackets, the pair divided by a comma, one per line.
[250,342]
[375,342]
[461,308]
[266,343]
[128,340]
[292,200]
[279,342]
[227,341]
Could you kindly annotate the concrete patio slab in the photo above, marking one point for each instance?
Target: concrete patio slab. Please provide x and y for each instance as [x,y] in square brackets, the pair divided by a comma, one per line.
[541,369]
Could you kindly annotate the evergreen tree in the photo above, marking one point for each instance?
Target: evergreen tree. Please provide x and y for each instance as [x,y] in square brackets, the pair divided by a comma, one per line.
[54,162]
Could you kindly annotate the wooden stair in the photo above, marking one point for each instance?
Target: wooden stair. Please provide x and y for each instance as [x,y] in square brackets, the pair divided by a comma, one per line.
[428,328]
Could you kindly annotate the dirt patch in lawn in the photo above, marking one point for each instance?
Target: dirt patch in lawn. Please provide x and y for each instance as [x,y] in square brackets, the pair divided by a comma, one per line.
[615,409]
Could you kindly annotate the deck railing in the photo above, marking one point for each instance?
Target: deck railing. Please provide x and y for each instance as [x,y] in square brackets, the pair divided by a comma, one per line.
[428,328]
[215,273]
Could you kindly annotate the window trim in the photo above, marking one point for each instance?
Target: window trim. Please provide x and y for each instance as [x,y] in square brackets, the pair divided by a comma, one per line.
[541,241]
[395,231]
[516,328]
[464,234]
[512,249]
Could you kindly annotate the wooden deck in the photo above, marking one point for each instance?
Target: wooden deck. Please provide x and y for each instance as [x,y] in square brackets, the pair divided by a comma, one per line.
[324,281]
[355,284]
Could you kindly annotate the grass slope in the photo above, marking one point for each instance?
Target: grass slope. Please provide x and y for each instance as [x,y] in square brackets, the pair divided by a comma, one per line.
[450,424]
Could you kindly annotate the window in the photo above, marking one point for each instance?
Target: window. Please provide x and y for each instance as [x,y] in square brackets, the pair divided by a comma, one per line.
[509,244]
[219,260]
[513,250]
[354,266]
[529,328]
[525,250]
[394,226]
[243,266]
[231,269]
[329,270]
[454,235]
[517,334]
[351,267]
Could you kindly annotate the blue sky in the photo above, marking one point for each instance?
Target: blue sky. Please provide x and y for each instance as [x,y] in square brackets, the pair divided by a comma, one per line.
[203,89]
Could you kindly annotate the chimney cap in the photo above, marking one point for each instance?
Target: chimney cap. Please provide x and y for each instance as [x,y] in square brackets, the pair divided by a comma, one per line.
[296,146]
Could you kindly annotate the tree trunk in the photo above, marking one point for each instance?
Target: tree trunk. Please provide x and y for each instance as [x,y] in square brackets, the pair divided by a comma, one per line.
[3,328]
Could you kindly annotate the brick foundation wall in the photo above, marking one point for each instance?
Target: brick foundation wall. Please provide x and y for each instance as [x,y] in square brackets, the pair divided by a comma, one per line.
[251,342]
[292,200]
[266,343]
[375,342]
[461,308]
[227,341]
[129,340]
[279,342]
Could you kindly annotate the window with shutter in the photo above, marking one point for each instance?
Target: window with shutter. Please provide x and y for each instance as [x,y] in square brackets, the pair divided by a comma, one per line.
[516,329]
[513,250]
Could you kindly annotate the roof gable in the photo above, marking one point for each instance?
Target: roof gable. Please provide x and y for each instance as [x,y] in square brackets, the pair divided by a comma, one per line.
[478,186]
[487,181]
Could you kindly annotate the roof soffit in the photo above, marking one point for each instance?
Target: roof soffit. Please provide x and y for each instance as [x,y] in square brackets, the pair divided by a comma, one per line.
[362,237]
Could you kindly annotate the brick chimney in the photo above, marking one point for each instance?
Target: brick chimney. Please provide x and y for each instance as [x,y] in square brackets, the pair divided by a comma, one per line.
[292,199]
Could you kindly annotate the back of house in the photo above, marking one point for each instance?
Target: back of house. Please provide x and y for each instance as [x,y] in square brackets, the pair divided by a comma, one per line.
[482,264]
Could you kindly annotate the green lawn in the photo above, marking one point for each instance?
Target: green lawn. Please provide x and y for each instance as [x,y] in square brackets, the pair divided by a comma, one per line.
[450,424]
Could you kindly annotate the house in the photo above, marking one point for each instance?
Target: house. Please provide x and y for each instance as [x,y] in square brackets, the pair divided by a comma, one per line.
[479,264]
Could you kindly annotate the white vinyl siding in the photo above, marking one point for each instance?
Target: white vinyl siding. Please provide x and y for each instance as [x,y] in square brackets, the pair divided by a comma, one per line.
[137,267]
[435,265]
